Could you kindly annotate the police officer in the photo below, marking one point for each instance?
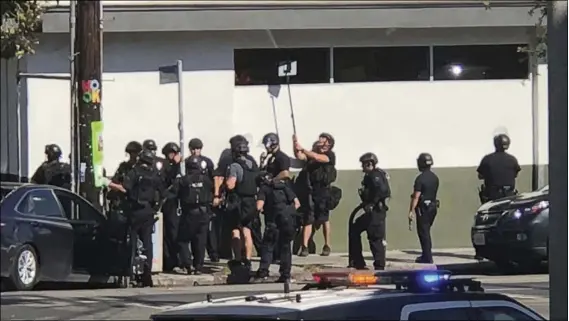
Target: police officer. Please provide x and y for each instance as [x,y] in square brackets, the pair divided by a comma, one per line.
[277,164]
[321,173]
[132,149]
[196,145]
[195,192]
[241,184]
[225,160]
[499,171]
[170,172]
[52,171]
[374,193]
[278,202]
[144,189]
[424,205]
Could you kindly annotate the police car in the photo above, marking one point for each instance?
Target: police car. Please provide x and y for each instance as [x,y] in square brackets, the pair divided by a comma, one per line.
[364,295]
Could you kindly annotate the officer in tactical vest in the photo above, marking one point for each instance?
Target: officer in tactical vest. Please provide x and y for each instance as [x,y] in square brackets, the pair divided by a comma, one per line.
[320,174]
[132,149]
[195,192]
[499,171]
[170,171]
[278,203]
[424,205]
[374,193]
[241,184]
[196,145]
[145,190]
[52,171]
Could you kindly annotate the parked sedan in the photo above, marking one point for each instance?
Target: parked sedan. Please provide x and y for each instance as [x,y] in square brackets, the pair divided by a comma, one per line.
[513,231]
[52,234]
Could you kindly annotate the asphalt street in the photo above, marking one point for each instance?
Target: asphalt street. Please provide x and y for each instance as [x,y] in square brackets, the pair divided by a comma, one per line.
[139,304]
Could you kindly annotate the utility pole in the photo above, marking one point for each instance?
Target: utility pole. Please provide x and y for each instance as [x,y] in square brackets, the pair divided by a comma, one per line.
[557,85]
[89,91]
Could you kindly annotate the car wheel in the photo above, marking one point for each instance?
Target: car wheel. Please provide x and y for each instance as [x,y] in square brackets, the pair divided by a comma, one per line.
[25,271]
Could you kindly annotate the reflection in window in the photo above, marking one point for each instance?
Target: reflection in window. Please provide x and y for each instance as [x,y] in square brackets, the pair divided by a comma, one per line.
[40,202]
[381,64]
[260,66]
[480,62]
[502,314]
[451,314]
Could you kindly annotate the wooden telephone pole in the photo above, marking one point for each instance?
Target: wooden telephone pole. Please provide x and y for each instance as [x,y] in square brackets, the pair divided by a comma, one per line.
[89,91]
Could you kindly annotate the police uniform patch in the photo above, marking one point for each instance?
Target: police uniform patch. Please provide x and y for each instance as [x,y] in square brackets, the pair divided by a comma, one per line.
[158,165]
[203,164]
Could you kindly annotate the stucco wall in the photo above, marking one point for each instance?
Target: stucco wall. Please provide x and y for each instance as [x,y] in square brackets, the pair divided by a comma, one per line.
[385,117]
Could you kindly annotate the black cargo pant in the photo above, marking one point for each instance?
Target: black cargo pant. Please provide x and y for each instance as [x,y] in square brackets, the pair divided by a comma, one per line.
[141,226]
[212,245]
[192,236]
[373,223]
[278,236]
[256,234]
[425,214]
[170,242]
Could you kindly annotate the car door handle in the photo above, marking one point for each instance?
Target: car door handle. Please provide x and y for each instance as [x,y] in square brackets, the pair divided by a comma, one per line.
[34,223]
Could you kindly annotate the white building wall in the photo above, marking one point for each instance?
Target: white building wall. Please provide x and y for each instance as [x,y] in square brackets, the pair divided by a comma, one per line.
[387,118]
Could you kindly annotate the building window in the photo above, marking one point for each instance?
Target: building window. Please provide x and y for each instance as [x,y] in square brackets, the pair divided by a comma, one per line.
[381,64]
[260,66]
[480,62]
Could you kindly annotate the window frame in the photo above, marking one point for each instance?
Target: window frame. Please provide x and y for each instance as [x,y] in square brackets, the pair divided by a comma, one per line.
[48,190]
[77,201]
[428,61]
[434,64]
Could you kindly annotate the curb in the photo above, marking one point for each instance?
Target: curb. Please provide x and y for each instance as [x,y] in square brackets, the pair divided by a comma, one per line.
[167,281]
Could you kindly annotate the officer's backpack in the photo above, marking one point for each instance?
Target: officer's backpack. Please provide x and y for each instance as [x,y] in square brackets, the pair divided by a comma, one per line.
[198,190]
[331,174]
[145,191]
[335,197]
[58,174]
[386,191]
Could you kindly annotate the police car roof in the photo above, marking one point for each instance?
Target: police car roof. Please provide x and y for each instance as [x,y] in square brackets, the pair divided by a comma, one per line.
[271,304]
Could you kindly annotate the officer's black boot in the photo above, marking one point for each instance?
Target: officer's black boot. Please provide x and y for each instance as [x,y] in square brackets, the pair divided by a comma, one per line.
[304,251]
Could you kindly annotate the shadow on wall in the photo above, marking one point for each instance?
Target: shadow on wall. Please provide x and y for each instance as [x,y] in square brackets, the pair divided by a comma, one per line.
[138,52]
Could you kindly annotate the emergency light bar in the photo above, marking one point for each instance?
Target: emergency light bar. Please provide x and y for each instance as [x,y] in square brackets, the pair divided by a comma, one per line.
[408,278]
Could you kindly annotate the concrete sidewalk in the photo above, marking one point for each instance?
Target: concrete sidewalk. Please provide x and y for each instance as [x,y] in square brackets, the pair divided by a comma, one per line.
[216,273]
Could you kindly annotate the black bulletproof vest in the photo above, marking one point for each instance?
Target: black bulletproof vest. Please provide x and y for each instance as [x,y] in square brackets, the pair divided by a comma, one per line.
[58,174]
[144,191]
[279,198]
[248,185]
[197,189]
[321,175]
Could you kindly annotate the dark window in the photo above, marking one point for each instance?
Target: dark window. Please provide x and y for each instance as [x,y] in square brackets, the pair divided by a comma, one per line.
[381,64]
[260,66]
[480,62]
[40,202]
[455,314]
[501,314]
[77,209]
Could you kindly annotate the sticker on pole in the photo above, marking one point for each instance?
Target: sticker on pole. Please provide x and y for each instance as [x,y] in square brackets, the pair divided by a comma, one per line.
[287,69]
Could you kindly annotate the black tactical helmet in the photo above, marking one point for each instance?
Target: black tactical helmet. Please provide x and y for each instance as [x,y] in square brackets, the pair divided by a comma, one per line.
[369,158]
[329,138]
[502,142]
[195,143]
[133,147]
[170,147]
[237,138]
[425,160]
[270,140]
[150,145]
[240,147]
[194,163]
[52,151]
[146,157]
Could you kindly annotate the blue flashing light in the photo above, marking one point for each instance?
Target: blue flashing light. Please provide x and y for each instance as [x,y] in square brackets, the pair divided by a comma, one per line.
[435,278]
